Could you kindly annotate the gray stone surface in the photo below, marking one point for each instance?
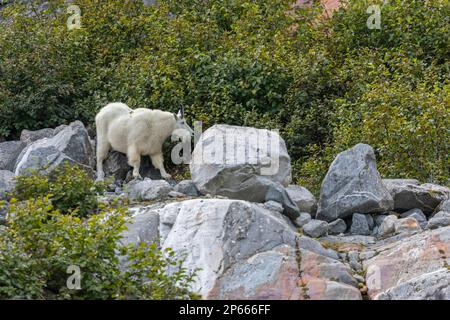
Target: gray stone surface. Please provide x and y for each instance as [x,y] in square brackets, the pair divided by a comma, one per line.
[387,227]
[416,214]
[144,227]
[274,206]
[370,221]
[359,225]
[409,195]
[215,234]
[116,165]
[29,137]
[407,226]
[378,218]
[353,260]
[276,192]
[353,185]
[187,187]
[6,183]
[313,245]
[337,227]
[234,172]
[443,206]
[303,219]
[434,285]
[305,200]
[71,145]
[440,219]
[9,152]
[398,265]
[315,228]
[147,189]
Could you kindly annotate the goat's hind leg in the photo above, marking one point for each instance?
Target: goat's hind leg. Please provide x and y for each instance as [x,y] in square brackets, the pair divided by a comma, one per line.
[158,163]
[134,160]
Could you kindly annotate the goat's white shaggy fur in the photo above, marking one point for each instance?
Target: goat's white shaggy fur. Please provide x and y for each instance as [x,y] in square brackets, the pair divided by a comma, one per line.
[133,132]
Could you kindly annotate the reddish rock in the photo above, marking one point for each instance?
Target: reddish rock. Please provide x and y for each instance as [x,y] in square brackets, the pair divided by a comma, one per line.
[406,259]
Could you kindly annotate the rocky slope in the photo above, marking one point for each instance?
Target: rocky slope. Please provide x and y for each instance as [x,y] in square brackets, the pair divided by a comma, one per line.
[256,236]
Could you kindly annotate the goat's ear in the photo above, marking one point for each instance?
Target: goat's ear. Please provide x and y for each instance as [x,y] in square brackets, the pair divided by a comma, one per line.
[180,114]
[176,116]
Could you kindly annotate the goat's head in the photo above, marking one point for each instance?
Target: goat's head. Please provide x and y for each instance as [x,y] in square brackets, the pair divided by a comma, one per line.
[181,124]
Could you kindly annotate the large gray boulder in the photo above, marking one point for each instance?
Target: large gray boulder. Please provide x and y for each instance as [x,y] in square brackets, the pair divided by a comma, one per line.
[243,163]
[242,250]
[70,145]
[353,185]
[215,234]
[9,152]
[6,183]
[409,194]
[227,157]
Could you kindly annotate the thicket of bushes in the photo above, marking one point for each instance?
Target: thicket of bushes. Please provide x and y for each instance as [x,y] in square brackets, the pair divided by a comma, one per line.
[325,83]
[46,234]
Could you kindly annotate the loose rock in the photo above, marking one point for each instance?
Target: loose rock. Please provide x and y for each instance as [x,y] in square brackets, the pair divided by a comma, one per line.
[305,200]
[315,228]
[303,219]
[440,219]
[359,225]
[418,215]
[337,227]
[148,189]
[187,187]
[387,227]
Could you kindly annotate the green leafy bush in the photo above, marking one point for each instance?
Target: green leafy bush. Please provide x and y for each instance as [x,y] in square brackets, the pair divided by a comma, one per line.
[40,243]
[256,63]
[70,189]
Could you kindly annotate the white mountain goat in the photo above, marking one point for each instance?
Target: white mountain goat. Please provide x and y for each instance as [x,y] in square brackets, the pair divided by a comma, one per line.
[135,132]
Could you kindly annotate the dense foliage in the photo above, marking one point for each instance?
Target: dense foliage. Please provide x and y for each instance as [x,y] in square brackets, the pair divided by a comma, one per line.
[69,188]
[326,83]
[40,243]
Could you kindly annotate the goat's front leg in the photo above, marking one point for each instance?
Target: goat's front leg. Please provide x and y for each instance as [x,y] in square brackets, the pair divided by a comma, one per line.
[158,163]
[134,160]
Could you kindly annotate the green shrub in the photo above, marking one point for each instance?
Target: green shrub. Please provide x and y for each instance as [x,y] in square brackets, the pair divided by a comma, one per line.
[240,62]
[70,189]
[40,243]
